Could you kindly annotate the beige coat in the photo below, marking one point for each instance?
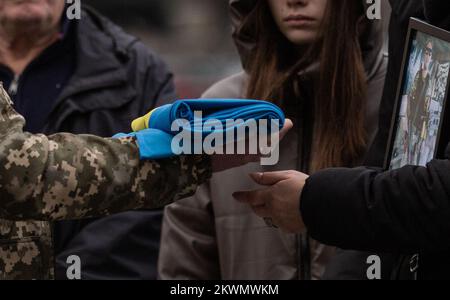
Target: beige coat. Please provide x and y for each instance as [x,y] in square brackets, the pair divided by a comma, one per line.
[211,236]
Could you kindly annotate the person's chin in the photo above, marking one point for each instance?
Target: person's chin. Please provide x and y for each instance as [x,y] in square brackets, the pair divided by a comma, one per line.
[301,40]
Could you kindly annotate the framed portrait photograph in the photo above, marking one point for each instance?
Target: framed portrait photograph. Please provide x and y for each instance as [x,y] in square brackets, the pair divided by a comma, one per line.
[421,104]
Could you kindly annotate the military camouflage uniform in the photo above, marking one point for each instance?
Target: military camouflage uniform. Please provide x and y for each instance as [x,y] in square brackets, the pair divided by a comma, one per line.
[65,176]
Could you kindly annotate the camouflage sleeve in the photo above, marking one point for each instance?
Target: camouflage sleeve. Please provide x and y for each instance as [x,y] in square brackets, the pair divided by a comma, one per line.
[66,176]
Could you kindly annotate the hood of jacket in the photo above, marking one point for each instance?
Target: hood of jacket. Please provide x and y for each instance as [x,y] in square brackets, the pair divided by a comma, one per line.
[371,39]
[436,12]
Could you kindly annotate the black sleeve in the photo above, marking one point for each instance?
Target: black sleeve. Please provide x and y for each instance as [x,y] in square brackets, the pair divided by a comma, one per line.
[407,210]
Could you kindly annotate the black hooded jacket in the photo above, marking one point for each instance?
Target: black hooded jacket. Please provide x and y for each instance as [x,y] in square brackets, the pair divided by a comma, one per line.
[116,79]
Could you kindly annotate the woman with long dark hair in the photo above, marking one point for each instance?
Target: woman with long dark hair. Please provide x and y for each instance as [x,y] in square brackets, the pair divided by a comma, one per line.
[321,61]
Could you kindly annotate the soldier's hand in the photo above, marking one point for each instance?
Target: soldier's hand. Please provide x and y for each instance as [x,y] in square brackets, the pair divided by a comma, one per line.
[225,162]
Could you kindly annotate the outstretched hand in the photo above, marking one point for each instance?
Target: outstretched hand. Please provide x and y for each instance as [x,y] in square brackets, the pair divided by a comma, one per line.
[224,162]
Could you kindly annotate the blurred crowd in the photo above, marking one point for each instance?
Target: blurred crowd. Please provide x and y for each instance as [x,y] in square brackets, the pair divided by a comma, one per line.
[193,37]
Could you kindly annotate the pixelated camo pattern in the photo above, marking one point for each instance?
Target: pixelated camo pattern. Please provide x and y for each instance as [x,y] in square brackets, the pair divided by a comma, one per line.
[64,177]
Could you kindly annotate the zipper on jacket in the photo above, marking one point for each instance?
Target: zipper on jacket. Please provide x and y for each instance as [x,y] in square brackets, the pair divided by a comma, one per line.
[303,247]
[414,266]
[14,87]
[304,253]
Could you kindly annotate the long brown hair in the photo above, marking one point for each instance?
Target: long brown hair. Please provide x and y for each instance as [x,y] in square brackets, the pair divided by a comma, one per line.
[341,85]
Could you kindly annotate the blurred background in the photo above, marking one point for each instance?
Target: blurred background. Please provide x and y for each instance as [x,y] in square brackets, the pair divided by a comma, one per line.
[192,36]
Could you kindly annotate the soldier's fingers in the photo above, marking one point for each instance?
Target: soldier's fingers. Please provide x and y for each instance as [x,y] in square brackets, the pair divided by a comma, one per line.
[287,126]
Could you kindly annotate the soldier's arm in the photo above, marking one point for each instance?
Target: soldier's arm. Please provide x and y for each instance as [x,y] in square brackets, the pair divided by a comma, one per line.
[65,176]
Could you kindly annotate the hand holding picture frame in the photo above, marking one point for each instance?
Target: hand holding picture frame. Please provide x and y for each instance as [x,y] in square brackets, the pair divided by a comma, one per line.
[420,120]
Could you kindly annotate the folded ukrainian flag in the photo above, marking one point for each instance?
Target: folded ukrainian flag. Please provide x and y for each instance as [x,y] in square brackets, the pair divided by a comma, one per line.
[154,130]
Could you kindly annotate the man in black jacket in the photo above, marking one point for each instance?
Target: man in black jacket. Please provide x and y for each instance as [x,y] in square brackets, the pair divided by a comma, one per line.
[403,211]
[96,79]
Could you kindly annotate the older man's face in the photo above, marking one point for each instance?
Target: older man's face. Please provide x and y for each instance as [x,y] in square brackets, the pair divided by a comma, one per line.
[15,13]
